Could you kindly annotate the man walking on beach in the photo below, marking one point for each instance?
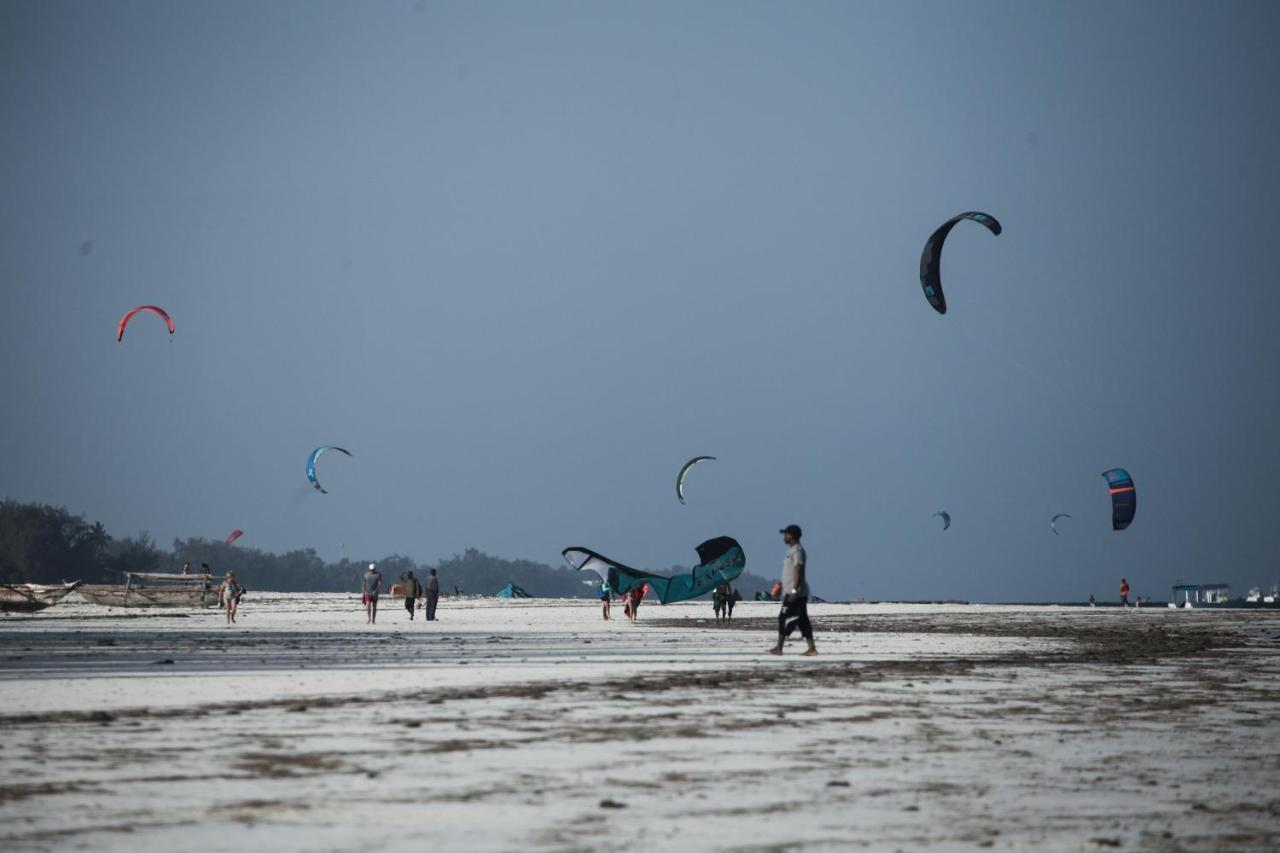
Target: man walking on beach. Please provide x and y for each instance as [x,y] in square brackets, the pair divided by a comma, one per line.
[1124,593]
[433,595]
[370,587]
[795,593]
[411,591]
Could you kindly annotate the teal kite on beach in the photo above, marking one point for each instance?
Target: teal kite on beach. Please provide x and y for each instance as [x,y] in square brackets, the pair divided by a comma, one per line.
[720,561]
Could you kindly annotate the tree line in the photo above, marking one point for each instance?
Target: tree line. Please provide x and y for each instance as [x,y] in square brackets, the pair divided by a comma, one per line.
[47,544]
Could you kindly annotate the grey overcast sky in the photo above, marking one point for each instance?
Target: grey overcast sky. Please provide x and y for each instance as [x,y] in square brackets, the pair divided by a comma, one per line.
[525,259]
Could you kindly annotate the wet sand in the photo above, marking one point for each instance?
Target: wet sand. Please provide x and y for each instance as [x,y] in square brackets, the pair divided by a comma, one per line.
[534,725]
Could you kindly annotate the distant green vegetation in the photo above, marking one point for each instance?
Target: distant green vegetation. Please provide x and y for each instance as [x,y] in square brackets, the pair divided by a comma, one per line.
[47,544]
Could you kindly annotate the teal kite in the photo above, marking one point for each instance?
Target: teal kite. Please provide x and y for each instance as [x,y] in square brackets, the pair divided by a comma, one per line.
[311,464]
[720,561]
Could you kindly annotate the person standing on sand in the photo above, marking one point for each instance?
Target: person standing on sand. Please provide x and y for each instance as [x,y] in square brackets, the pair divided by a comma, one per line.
[633,601]
[1124,593]
[720,600]
[229,592]
[604,599]
[795,592]
[410,584]
[369,588]
[433,595]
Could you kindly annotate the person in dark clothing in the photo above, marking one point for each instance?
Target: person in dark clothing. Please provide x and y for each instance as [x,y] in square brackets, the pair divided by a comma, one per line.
[720,600]
[734,598]
[795,593]
[411,591]
[433,595]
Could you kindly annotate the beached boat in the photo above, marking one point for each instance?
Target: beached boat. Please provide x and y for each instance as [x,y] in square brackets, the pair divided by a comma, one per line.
[155,589]
[30,597]
[1189,596]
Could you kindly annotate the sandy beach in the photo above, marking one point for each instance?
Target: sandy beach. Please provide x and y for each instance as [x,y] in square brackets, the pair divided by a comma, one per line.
[535,725]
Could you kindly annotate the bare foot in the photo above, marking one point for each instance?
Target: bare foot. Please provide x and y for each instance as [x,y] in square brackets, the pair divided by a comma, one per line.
[812,653]
[775,651]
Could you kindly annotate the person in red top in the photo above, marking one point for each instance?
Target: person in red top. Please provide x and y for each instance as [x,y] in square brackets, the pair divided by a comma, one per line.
[1124,593]
[637,595]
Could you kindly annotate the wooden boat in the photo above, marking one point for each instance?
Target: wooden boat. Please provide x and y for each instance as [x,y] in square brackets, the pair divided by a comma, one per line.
[30,597]
[155,589]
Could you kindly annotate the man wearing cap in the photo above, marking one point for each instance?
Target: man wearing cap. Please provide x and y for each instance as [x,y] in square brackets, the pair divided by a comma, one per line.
[370,587]
[795,593]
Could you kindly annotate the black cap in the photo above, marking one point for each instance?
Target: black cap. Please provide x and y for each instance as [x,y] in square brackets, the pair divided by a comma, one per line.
[793,529]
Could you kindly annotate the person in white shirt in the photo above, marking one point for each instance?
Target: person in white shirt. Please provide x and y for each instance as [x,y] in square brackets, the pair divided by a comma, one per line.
[795,592]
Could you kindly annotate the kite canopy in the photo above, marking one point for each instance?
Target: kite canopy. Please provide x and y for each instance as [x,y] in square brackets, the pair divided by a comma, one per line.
[1124,498]
[720,560]
[931,257]
[311,464]
[684,472]
[512,590]
[155,309]
[1053,522]
[946,518]
[234,535]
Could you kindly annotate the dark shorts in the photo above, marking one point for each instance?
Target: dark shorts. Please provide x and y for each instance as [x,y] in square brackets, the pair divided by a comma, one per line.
[795,614]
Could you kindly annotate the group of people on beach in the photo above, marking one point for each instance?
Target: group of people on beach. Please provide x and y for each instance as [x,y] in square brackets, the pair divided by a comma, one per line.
[723,598]
[794,595]
[426,595]
[428,592]
[630,600]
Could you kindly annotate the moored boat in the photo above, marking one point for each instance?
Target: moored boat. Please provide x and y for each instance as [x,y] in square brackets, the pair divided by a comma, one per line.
[155,589]
[31,597]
